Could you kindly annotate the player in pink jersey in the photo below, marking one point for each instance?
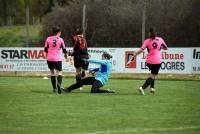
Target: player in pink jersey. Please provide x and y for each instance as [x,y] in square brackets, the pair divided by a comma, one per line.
[53,46]
[154,45]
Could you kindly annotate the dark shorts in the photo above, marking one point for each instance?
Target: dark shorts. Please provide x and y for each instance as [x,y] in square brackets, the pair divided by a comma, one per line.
[154,68]
[55,65]
[80,63]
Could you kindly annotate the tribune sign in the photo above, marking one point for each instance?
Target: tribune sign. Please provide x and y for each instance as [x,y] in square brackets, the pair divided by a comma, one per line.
[175,60]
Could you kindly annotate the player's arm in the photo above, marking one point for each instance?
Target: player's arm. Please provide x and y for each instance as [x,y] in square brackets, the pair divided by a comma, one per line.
[75,49]
[163,45]
[46,47]
[65,53]
[134,55]
[93,71]
[101,62]
[139,51]
[64,49]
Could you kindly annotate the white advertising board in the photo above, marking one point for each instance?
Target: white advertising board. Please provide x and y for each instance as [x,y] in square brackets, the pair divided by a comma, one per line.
[33,59]
[195,60]
[175,60]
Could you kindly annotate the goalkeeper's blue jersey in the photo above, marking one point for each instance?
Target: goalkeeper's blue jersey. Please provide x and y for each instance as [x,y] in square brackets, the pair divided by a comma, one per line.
[104,71]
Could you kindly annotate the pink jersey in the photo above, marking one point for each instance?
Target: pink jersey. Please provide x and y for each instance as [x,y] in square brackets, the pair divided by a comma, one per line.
[154,47]
[54,44]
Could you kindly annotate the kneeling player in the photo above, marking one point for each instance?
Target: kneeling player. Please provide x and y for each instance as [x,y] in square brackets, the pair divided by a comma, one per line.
[101,77]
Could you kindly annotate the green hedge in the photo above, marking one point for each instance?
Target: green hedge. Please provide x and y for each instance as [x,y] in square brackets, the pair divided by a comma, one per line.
[15,36]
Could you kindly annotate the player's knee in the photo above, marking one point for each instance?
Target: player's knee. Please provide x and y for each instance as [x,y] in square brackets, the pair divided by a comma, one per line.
[153,75]
[53,73]
[83,74]
[78,73]
[59,73]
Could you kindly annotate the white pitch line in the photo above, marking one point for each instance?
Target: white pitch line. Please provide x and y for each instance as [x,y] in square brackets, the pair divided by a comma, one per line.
[144,130]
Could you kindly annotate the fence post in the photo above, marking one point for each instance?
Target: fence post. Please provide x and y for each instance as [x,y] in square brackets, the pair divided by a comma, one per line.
[27,23]
[83,20]
[143,20]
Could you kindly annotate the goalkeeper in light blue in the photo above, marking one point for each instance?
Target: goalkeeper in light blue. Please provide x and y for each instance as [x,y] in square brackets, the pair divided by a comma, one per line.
[101,77]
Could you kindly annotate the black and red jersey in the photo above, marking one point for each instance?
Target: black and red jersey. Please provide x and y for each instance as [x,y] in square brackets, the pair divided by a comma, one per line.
[79,40]
[80,46]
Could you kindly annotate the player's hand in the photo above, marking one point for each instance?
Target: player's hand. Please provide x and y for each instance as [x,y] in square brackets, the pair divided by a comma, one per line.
[65,56]
[84,59]
[92,72]
[70,53]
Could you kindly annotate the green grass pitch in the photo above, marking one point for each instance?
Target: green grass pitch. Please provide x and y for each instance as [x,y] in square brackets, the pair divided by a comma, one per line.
[28,106]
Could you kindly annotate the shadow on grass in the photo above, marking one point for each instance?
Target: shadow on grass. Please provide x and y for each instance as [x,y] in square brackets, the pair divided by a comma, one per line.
[86,92]
[114,94]
[41,91]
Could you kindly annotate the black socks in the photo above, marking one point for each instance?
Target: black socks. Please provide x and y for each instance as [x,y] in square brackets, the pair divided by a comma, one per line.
[53,81]
[59,83]
[59,80]
[152,84]
[148,82]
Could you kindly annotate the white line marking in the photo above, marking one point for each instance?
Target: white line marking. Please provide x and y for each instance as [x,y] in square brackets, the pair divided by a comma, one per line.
[144,130]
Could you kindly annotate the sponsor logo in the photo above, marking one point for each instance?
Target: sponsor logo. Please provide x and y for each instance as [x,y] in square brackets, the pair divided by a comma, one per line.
[174,61]
[130,61]
[23,54]
[196,54]
[167,66]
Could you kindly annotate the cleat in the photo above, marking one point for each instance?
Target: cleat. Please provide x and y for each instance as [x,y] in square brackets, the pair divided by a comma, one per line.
[110,91]
[62,88]
[59,91]
[141,90]
[152,90]
[54,91]
[81,88]
[66,90]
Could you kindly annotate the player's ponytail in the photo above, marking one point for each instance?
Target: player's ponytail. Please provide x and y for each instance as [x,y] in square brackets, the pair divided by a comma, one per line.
[107,55]
[78,31]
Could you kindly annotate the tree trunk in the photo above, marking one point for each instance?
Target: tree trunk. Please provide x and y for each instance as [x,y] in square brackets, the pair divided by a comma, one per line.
[5,12]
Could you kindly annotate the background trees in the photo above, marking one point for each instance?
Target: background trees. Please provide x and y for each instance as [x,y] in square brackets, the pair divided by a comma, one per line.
[111,23]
